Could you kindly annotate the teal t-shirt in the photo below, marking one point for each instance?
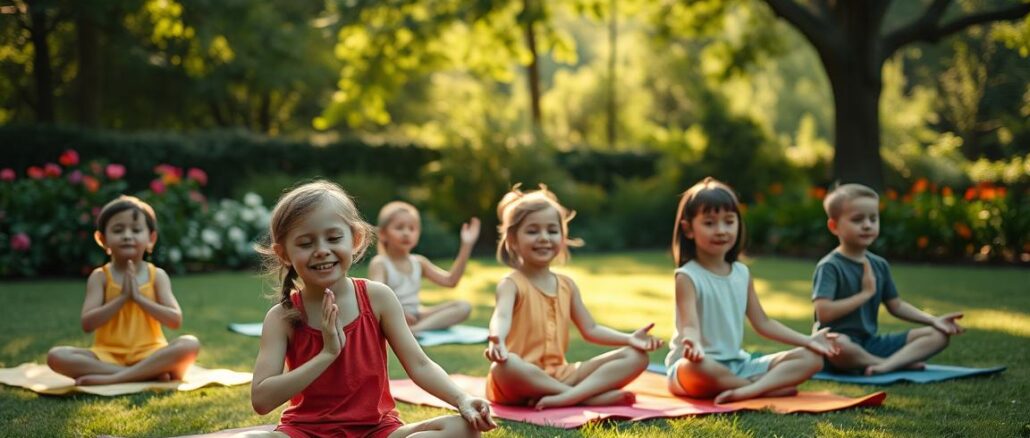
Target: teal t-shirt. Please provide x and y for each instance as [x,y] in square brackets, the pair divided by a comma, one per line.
[837,277]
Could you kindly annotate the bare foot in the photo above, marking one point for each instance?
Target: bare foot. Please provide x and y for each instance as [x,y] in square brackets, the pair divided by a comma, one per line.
[164,377]
[614,397]
[729,395]
[875,369]
[95,379]
[550,401]
[916,366]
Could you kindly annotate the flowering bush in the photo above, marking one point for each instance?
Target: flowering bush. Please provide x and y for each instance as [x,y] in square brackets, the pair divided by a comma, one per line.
[47,218]
[982,223]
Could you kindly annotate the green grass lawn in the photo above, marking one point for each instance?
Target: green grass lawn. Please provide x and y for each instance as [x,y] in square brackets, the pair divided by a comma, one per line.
[624,290]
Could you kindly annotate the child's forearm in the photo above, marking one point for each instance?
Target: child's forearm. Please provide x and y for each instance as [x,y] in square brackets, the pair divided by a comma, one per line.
[167,316]
[776,331]
[97,317]
[429,376]
[276,390]
[904,310]
[458,267]
[827,310]
[603,335]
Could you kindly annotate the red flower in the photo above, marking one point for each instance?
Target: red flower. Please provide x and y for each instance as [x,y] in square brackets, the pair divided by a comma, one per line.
[946,191]
[920,186]
[91,183]
[114,171]
[970,194]
[817,192]
[35,172]
[775,188]
[7,174]
[922,242]
[197,175]
[892,195]
[157,186]
[963,230]
[69,158]
[21,242]
[52,170]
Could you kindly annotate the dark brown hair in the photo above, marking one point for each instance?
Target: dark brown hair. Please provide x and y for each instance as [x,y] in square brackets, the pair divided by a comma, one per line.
[123,203]
[707,195]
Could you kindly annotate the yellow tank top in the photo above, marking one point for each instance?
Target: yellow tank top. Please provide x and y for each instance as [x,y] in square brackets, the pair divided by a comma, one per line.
[539,331]
[131,330]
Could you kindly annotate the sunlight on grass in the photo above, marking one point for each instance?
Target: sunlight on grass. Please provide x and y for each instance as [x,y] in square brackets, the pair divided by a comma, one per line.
[1013,323]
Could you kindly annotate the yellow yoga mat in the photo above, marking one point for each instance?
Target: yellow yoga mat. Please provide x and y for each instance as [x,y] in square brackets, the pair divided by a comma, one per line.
[41,379]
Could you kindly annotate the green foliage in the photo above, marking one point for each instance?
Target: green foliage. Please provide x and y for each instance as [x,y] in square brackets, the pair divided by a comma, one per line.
[228,156]
[48,215]
[926,222]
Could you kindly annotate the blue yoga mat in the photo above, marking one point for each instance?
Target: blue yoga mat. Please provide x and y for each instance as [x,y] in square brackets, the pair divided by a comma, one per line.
[459,334]
[932,373]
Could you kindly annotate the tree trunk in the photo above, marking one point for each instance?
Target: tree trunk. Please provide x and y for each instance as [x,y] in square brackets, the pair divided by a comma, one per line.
[856,101]
[612,54]
[533,69]
[42,70]
[854,67]
[89,93]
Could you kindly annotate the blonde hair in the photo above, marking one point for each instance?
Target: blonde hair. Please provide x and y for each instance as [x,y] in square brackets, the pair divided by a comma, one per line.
[514,207]
[289,210]
[835,200]
[387,214]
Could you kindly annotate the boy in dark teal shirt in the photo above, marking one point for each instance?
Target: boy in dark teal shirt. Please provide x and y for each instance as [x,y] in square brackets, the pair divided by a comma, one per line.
[850,283]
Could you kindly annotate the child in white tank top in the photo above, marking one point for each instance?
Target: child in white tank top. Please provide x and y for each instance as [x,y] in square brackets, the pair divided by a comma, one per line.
[395,265]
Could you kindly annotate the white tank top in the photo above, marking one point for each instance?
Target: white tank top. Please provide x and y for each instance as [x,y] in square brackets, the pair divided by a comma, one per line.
[721,307]
[405,286]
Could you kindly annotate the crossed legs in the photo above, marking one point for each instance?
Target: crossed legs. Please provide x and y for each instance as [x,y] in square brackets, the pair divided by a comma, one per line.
[168,363]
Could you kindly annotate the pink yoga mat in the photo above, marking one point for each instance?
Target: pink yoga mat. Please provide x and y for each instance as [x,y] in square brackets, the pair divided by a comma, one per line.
[653,401]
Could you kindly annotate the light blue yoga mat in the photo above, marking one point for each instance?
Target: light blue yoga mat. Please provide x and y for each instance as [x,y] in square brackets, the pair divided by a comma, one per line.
[932,373]
[459,334]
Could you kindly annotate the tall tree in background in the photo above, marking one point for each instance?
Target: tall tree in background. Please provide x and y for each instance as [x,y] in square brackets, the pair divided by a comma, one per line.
[849,37]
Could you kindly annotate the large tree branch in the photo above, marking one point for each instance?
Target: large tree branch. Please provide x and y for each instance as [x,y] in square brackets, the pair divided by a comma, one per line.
[927,28]
[815,28]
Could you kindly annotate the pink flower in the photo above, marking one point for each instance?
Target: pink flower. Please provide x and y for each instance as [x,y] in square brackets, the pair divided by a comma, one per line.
[168,169]
[35,172]
[7,174]
[69,158]
[75,177]
[115,171]
[157,186]
[197,175]
[52,170]
[21,242]
[197,197]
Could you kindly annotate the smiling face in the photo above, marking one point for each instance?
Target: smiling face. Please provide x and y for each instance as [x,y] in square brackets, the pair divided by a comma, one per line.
[402,232]
[538,239]
[714,231]
[320,247]
[126,236]
[858,224]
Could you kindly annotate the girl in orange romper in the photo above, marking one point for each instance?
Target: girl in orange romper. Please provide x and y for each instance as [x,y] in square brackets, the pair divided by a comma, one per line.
[530,325]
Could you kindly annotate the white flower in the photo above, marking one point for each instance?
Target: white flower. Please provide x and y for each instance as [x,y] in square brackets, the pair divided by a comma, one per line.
[236,234]
[248,215]
[222,218]
[174,255]
[210,237]
[252,199]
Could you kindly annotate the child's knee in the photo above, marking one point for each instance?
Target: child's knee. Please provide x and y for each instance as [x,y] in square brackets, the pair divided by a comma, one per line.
[56,356]
[940,339]
[464,308]
[188,344]
[812,360]
[456,426]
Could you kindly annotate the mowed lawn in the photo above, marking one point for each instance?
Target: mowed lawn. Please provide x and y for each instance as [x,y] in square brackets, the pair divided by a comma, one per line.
[623,290]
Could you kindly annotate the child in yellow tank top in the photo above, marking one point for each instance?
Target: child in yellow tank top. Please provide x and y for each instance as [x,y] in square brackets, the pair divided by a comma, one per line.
[127,301]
